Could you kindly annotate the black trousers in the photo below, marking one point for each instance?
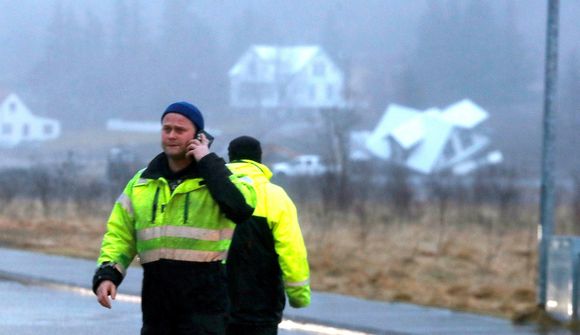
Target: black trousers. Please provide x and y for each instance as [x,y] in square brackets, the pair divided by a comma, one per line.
[242,329]
[184,298]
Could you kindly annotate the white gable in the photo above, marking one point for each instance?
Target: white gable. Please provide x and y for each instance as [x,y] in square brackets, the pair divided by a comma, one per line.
[394,117]
[12,107]
[410,133]
[18,124]
[288,60]
[286,77]
[464,114]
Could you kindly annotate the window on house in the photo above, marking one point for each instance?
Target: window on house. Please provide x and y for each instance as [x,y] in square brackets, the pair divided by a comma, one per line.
[47,129]
[12,107]
[25,130]
[6,129]
[319,69]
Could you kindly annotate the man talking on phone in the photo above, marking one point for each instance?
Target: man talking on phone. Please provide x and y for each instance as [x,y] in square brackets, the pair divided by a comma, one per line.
[178,215]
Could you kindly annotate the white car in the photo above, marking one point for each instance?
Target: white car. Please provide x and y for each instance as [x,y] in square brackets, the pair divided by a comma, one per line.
[304,165]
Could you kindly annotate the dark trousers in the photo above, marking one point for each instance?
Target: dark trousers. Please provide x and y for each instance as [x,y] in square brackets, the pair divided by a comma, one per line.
[240,329]
[184,298]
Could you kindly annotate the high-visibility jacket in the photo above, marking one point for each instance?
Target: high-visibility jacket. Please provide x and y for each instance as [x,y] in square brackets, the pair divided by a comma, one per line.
[267,256]
[193,223]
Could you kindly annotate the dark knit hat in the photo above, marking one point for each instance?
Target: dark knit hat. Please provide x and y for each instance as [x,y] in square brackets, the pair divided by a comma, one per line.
[188,110]
[245,147]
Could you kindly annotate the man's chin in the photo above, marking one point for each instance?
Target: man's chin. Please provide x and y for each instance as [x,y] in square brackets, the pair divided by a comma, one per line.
[175,154]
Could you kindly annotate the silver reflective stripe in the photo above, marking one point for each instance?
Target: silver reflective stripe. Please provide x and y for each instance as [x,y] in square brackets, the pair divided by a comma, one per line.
[182,255]
[298,283]
[125,202]
[247,180]
[187,232]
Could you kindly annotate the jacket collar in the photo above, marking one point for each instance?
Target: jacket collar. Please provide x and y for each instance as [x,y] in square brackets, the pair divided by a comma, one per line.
[159,167]
[251,168]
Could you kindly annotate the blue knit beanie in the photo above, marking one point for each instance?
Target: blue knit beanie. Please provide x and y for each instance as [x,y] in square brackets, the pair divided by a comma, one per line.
[188,110]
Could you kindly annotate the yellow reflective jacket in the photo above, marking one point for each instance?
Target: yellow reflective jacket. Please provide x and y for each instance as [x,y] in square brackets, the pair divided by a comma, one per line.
[194,223]
[267,256]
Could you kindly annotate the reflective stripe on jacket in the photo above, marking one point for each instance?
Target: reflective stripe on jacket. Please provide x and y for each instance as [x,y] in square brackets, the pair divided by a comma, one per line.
[192,223]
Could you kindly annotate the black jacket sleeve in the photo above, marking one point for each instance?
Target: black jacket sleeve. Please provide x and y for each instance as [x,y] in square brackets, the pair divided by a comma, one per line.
[231,201]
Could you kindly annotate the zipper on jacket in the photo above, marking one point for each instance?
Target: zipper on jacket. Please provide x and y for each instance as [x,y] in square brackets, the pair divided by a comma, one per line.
[154,208]
[186,208]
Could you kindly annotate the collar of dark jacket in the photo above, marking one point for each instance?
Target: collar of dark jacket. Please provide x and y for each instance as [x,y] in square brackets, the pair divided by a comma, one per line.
[159,167]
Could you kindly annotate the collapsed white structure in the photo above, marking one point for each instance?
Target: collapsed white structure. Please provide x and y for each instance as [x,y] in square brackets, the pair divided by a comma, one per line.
[433,140]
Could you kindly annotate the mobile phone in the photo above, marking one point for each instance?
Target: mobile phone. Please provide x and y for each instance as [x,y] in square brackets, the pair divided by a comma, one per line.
[209,137]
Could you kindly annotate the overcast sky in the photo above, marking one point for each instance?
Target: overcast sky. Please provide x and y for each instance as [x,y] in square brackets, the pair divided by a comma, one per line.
[23,23]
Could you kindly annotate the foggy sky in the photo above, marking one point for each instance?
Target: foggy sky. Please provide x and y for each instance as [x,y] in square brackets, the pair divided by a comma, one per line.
[23,23]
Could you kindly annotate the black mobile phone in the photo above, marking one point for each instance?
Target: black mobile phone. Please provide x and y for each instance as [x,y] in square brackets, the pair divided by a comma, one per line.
[207,135]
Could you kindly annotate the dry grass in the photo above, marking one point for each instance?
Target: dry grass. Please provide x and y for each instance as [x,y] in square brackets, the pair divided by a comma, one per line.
[66,233]
[470,267]
[466,267]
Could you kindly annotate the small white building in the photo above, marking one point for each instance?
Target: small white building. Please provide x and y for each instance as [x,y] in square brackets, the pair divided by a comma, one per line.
[286,78]
[433,140]
[18,124]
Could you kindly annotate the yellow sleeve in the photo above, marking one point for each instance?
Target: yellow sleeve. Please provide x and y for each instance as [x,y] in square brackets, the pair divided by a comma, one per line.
[119,244]
[290,247]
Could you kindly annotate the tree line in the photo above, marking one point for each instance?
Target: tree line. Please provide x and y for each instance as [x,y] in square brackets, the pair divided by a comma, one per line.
[90,71]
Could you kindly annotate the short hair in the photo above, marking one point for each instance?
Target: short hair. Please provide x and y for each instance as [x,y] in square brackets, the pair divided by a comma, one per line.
[245,147]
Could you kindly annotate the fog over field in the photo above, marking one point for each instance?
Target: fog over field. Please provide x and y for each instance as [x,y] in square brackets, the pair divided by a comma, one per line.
[84,62]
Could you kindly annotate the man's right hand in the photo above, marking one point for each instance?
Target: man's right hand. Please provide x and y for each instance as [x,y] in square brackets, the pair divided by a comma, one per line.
[198,147]
[106,288]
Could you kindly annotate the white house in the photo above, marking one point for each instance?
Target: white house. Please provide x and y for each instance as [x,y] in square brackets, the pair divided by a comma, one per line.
[433,140]
[286,77]
[18,124]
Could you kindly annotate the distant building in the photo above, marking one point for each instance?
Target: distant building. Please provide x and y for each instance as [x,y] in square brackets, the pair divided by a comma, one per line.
[433,140]
[133,126]
[286,78]
[18,124]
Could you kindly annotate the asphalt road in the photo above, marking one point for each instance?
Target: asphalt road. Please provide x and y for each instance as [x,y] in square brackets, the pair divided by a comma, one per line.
[37,310]
[48,294]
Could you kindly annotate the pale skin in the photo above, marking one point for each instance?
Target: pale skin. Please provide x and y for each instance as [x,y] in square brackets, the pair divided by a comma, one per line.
[181,148]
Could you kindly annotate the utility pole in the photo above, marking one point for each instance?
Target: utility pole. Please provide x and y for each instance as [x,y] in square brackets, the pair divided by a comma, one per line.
[546,228]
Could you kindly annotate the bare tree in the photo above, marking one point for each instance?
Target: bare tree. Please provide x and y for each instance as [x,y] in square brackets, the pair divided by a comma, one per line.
[399,190]
[10,181]
[440,192]
[338,124]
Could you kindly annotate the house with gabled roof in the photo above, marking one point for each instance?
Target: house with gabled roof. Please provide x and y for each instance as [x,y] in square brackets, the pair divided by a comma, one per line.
[286,78]
[433,140]
[19,125]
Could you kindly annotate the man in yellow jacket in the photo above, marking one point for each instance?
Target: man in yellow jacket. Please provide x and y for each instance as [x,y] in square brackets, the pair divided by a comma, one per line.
[267,257]
[178,216]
